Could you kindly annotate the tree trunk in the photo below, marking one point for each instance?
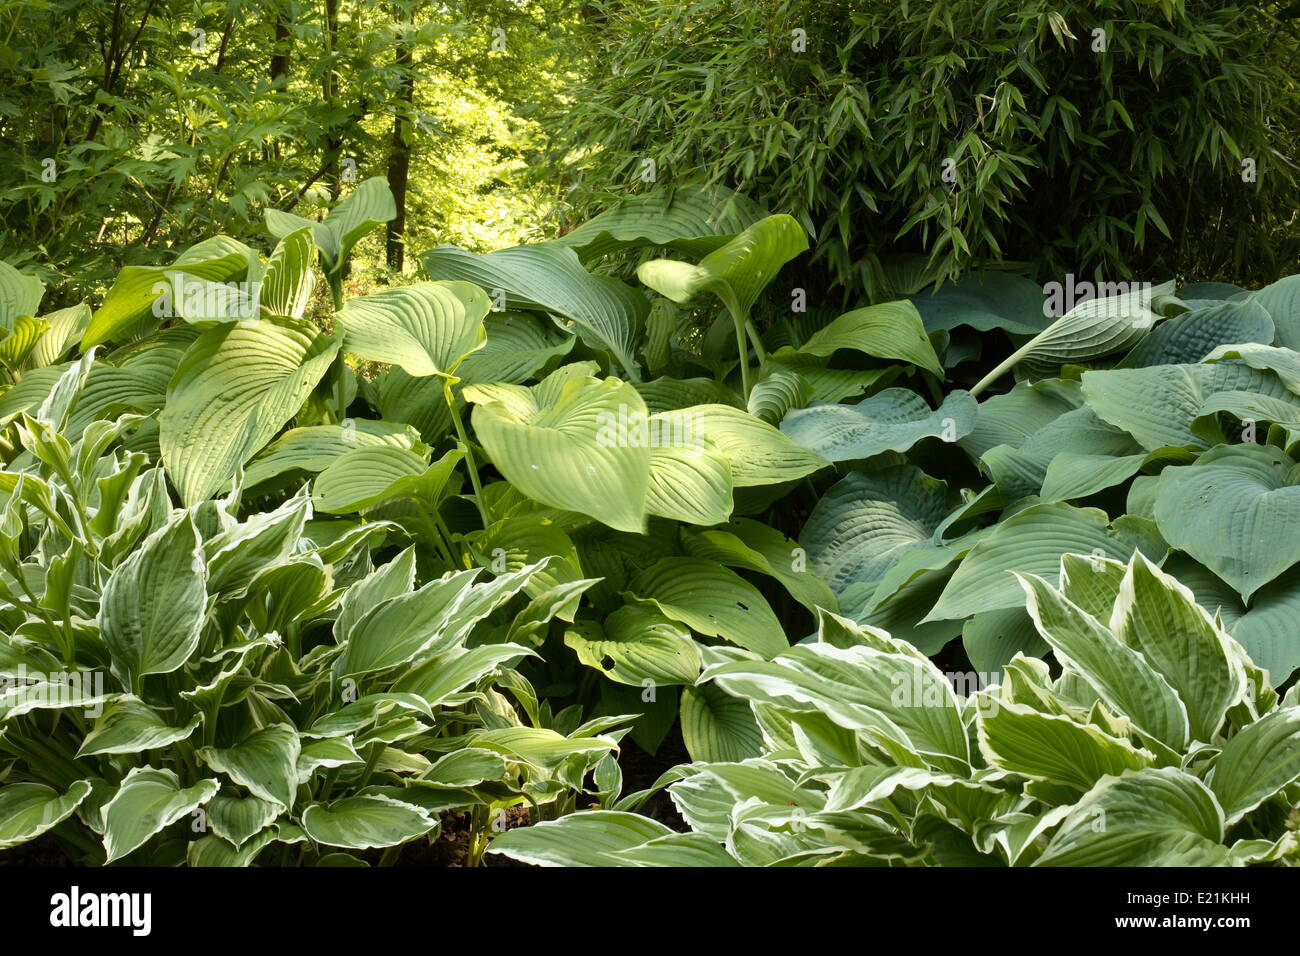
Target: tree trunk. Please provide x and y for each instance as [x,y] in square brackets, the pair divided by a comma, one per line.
[399,156]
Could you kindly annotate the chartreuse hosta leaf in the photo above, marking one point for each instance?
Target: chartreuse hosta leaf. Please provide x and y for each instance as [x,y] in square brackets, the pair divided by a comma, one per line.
[518,346]
[129,307]
[367,477]
[745,543]
[892,420]
[691,219]
[711,600]
[152,611]
[426,328]
[636,644]
[29,809]
[717,726]
[234,389]
[736,273]
[1092,329]
[315,447]
[890,330]
[608,314]
[1237,511]
[20,294]
[288,281]
[146,802]
[367,206]
[569,453]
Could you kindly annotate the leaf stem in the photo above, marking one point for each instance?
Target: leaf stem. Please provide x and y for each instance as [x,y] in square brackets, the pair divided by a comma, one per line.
[465,447]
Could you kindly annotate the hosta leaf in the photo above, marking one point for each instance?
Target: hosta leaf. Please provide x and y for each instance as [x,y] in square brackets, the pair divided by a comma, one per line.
[571,453]
[1160,618]
[751,545]
[712,600]
[453,671]
[236,819]
[538,746]
[152,611]
[1157,405]
[20,294]
[992,638]
[23,336]
[678,849]
[717,727]
[778,390]
[518,346]
[1192,336]
[757,452]
[128,307]
[1237,511]
[588,838]
[426,328]
[235,388]
[265,762]
[691,219]
[637,644]
[690,483]
[315,447]
[736,272]
[1032,542]
[370,204]
[147,802]
[65,328]
[288,281]
[865,523]
[128,725]
[1012,418]
[365,822]
[608,314]
[1073,475]
[890,330]
[984,301]
[892,420]
[1119,674]
[367,477]
[1257,762]
[29,809]
[1153,817]
[1281,301]
[1052,747]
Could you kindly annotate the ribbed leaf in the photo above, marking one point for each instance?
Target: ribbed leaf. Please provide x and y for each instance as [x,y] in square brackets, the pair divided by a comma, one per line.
[717,727]
[589,838]
[892,420]
[1257,762]
[365,822]
[147,802]
[635,645]
[426,328]
[890,330]
[29,809]
[288,281]
[266,762]
[128,726]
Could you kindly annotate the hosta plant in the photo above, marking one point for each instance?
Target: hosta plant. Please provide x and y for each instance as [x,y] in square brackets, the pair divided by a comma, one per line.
[218,687]
[1155,740]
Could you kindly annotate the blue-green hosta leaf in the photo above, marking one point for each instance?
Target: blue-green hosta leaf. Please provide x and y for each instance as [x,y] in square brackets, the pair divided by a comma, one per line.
[368,477]
[1237,511]
[736,272]
[890,330]
[29,809]
[712,600]
[1092,329]
[985,301]
[571,453]
[1194,335]
[717,727]
[892,420]
[265,762]
[1053,747]
[900,702]
[1283,362]
[426,328]
[608,314]
[1258,762]
[1158,405]
[693,219]
[1013,417]
[366,822]
[234,389]
[1151,817]
[152,611]
[865,523]
[129,306]
[992,638]
[1119,673]
[20,294]
[1032,542]
[518,346]
[1020,471]
[147,802]
[1160,618]
[1281,301]
[288,281]
[637,644]
[1073,475]
[587,838]
[128,725]
[745,543]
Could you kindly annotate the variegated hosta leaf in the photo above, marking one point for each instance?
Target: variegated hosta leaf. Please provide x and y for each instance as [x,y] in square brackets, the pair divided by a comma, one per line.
[366,822]
[29,809]
[1152,817]
[148,801]
[591,838]
[154,604]
[265,762]
[1257,762]
[427,328]
[234,389]
[128,725]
